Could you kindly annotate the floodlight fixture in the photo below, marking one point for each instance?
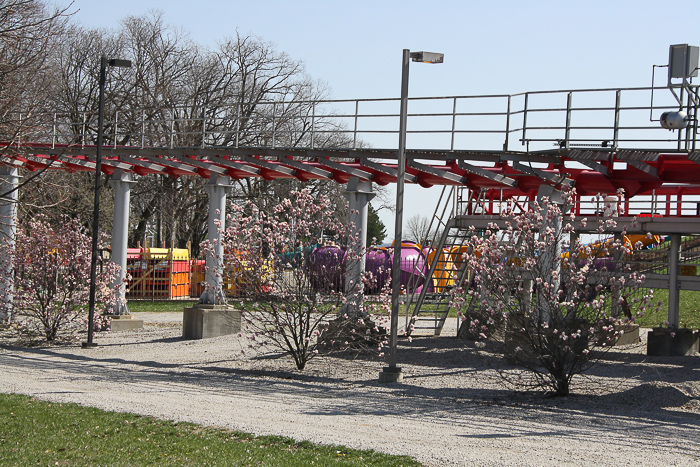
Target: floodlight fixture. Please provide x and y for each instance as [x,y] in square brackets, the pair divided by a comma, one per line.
[427,57]
[115,62]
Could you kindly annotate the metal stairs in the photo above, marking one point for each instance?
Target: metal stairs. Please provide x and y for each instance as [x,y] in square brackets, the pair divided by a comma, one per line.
[427,310]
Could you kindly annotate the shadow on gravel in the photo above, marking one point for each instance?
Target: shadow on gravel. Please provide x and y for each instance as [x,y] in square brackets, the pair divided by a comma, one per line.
[646,368]
[291,377]
[163,340]
[33,360]
[317,394]
[453,355]
[511,435]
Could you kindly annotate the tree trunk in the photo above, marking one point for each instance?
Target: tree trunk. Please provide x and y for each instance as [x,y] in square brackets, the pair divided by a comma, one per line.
[562,387]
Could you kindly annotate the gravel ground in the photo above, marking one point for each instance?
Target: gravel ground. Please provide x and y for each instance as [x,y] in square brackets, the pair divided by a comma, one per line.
[451,409]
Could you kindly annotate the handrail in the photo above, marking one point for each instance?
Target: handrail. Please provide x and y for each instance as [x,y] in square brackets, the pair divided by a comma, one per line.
[656,206]
[542,119]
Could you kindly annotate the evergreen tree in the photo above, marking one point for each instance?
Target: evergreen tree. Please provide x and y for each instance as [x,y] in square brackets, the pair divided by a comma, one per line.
[375,227]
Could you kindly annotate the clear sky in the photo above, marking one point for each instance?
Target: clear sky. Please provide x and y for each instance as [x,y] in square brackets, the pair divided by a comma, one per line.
[495,47]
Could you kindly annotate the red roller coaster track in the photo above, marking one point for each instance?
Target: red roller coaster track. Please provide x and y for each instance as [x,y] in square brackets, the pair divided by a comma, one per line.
[512,174]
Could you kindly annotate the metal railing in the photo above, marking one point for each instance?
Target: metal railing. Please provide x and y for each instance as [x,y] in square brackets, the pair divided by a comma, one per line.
[532,121]
[488,202]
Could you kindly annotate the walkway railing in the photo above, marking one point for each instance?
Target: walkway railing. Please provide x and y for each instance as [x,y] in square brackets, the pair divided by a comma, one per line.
[532,121]
[656,205]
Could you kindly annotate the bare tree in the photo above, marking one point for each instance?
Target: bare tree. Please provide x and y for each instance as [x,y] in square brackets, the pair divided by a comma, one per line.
[28,35]
[59,194]
[418,229]
[242,93]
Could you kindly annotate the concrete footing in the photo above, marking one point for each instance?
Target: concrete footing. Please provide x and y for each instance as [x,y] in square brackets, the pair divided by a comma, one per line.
[124,322]
[630,336]
[204,321]
[393,375]
[669,342]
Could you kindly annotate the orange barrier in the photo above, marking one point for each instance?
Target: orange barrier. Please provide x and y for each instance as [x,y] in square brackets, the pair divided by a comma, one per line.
[158,273]
[444,275]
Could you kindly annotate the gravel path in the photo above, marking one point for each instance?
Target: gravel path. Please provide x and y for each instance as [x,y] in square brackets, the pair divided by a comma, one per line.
[451,409]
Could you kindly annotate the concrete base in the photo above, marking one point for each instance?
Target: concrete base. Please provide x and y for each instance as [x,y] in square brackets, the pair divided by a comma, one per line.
[395,376]
[630,337]
[518,351]
[124,322]
[661,343]
[203,321]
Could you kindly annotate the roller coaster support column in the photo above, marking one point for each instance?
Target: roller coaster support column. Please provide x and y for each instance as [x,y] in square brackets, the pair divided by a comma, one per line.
[551,258]
[216,188]
[358,193]
[527,295]
[616,309]
[673,292]
[9,179]
[121,182]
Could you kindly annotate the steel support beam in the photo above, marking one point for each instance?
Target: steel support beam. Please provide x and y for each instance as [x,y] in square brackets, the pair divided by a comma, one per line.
[636,159]
[673,273]
[270,166]
[556,179]
[381,168]
[121,182]
[216,189]
[305,167]
[340,167]
[236,165]
[209,166]
[174,164]
[9,180]
[487,174]
[589,158]
[550,259]
[444,174]
[158,168]
[359,194]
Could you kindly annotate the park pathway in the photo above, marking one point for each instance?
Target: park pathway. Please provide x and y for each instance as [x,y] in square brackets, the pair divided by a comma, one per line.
[431,416]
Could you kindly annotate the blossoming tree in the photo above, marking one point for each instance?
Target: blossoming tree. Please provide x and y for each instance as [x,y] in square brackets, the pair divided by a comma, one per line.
[51,265]
[290,289]
[554,310]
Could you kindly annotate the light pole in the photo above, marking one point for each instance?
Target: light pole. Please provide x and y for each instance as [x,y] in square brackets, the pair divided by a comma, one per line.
[392,373]
[104,63]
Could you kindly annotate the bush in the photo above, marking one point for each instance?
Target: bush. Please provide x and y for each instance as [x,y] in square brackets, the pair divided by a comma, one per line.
[554,312]
[51,266]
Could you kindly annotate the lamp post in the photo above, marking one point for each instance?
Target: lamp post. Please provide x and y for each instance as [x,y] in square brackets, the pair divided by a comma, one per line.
[104,63]
[392,373]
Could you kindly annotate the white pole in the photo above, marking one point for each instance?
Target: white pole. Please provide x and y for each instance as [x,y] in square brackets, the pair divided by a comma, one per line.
[216,188]
[358,193]
[9,179]
[121,182]
[673,272]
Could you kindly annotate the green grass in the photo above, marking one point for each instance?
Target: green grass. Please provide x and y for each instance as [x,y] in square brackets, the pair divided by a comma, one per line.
[178,305]
[159,306]
[35,432]
[688,309]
